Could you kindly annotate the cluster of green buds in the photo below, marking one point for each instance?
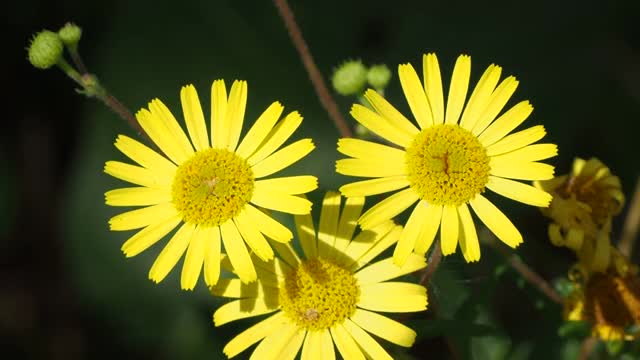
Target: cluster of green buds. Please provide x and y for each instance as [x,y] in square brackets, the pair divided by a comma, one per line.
[47,47]
[352,77]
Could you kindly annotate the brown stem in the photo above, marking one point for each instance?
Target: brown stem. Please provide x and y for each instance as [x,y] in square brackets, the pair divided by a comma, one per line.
[587,347]
[77,60]
[316,78]
[631,224]
[432,265]
[116,106]
[528,274]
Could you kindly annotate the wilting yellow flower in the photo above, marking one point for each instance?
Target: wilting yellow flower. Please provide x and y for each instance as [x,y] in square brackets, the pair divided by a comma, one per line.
[330,296]
[583,205]
[609,301]
[213,186]
[449,161]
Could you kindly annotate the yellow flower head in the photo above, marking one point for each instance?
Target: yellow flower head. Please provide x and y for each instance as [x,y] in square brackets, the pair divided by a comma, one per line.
[329,296]
[583,205]
[449,160]
[213,185]
[610,302]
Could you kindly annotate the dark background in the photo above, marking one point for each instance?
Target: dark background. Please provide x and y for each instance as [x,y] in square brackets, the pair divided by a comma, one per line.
[67,292]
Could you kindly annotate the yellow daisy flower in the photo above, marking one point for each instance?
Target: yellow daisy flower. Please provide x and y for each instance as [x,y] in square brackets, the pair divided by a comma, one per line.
[447,162]
[330,296]
[212,187]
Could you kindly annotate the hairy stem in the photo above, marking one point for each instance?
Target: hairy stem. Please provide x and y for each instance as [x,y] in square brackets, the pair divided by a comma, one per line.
[315,76]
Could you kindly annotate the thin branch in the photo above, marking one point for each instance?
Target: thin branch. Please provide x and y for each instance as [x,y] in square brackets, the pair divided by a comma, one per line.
[315,76]
[631,224]
[432,265]
[528,274]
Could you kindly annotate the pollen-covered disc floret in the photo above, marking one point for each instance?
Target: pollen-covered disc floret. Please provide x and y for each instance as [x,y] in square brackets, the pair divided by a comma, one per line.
[319,294]
[447,165]
[212,187]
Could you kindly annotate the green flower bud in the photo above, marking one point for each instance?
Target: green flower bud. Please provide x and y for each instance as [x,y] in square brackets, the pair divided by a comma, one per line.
[350,78]
[379,76]
[45,49]
[70,34]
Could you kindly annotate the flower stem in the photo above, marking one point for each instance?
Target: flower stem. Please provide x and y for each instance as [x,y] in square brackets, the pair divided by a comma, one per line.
[528,274]
[631,224]
[315,76]
[432,264]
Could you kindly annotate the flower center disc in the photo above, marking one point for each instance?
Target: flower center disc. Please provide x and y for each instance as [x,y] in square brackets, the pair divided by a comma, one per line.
[319,294]
[212,187]
[447,165]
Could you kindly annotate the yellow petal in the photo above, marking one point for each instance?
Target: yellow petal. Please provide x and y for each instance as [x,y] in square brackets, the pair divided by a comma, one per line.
[347,223]
[140,218]
[259,130]
[385,270]
[393,297]
[137,196]
[254,334]
[234,288]
[328,226]
[293,345]
[469,238]
[517,140]
[242,309]
[287,253]
[146,157]
[496,103]
[387,111]
[384,327]
[276,137]
[410,234]
[433,87]
[171,253]
[268,225]
[458,89]
[367,344]
[374,186]
[521,170]
[273,345]
[154,125]
[193,116]
[306,235]
[416,97]
[347,347]
[388,208]
[234,117]
[175,134]
[283,158]
[318,346]
[506,123]
[496,221]
[273,200]
[449,230]
[431,224]
[211,254]
[369,168]
[381,126]
[292,185]
[148,236]
[368,244]
[478,101]
[253,236]
[137,175]
[219,128]
[518,191]
[363,149]
[533,152]
[194,259]
[237,252]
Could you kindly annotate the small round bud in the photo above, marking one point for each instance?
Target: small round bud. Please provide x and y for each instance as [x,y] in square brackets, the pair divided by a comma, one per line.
[350,78]
[70,34]
[45,49]
[379,76]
